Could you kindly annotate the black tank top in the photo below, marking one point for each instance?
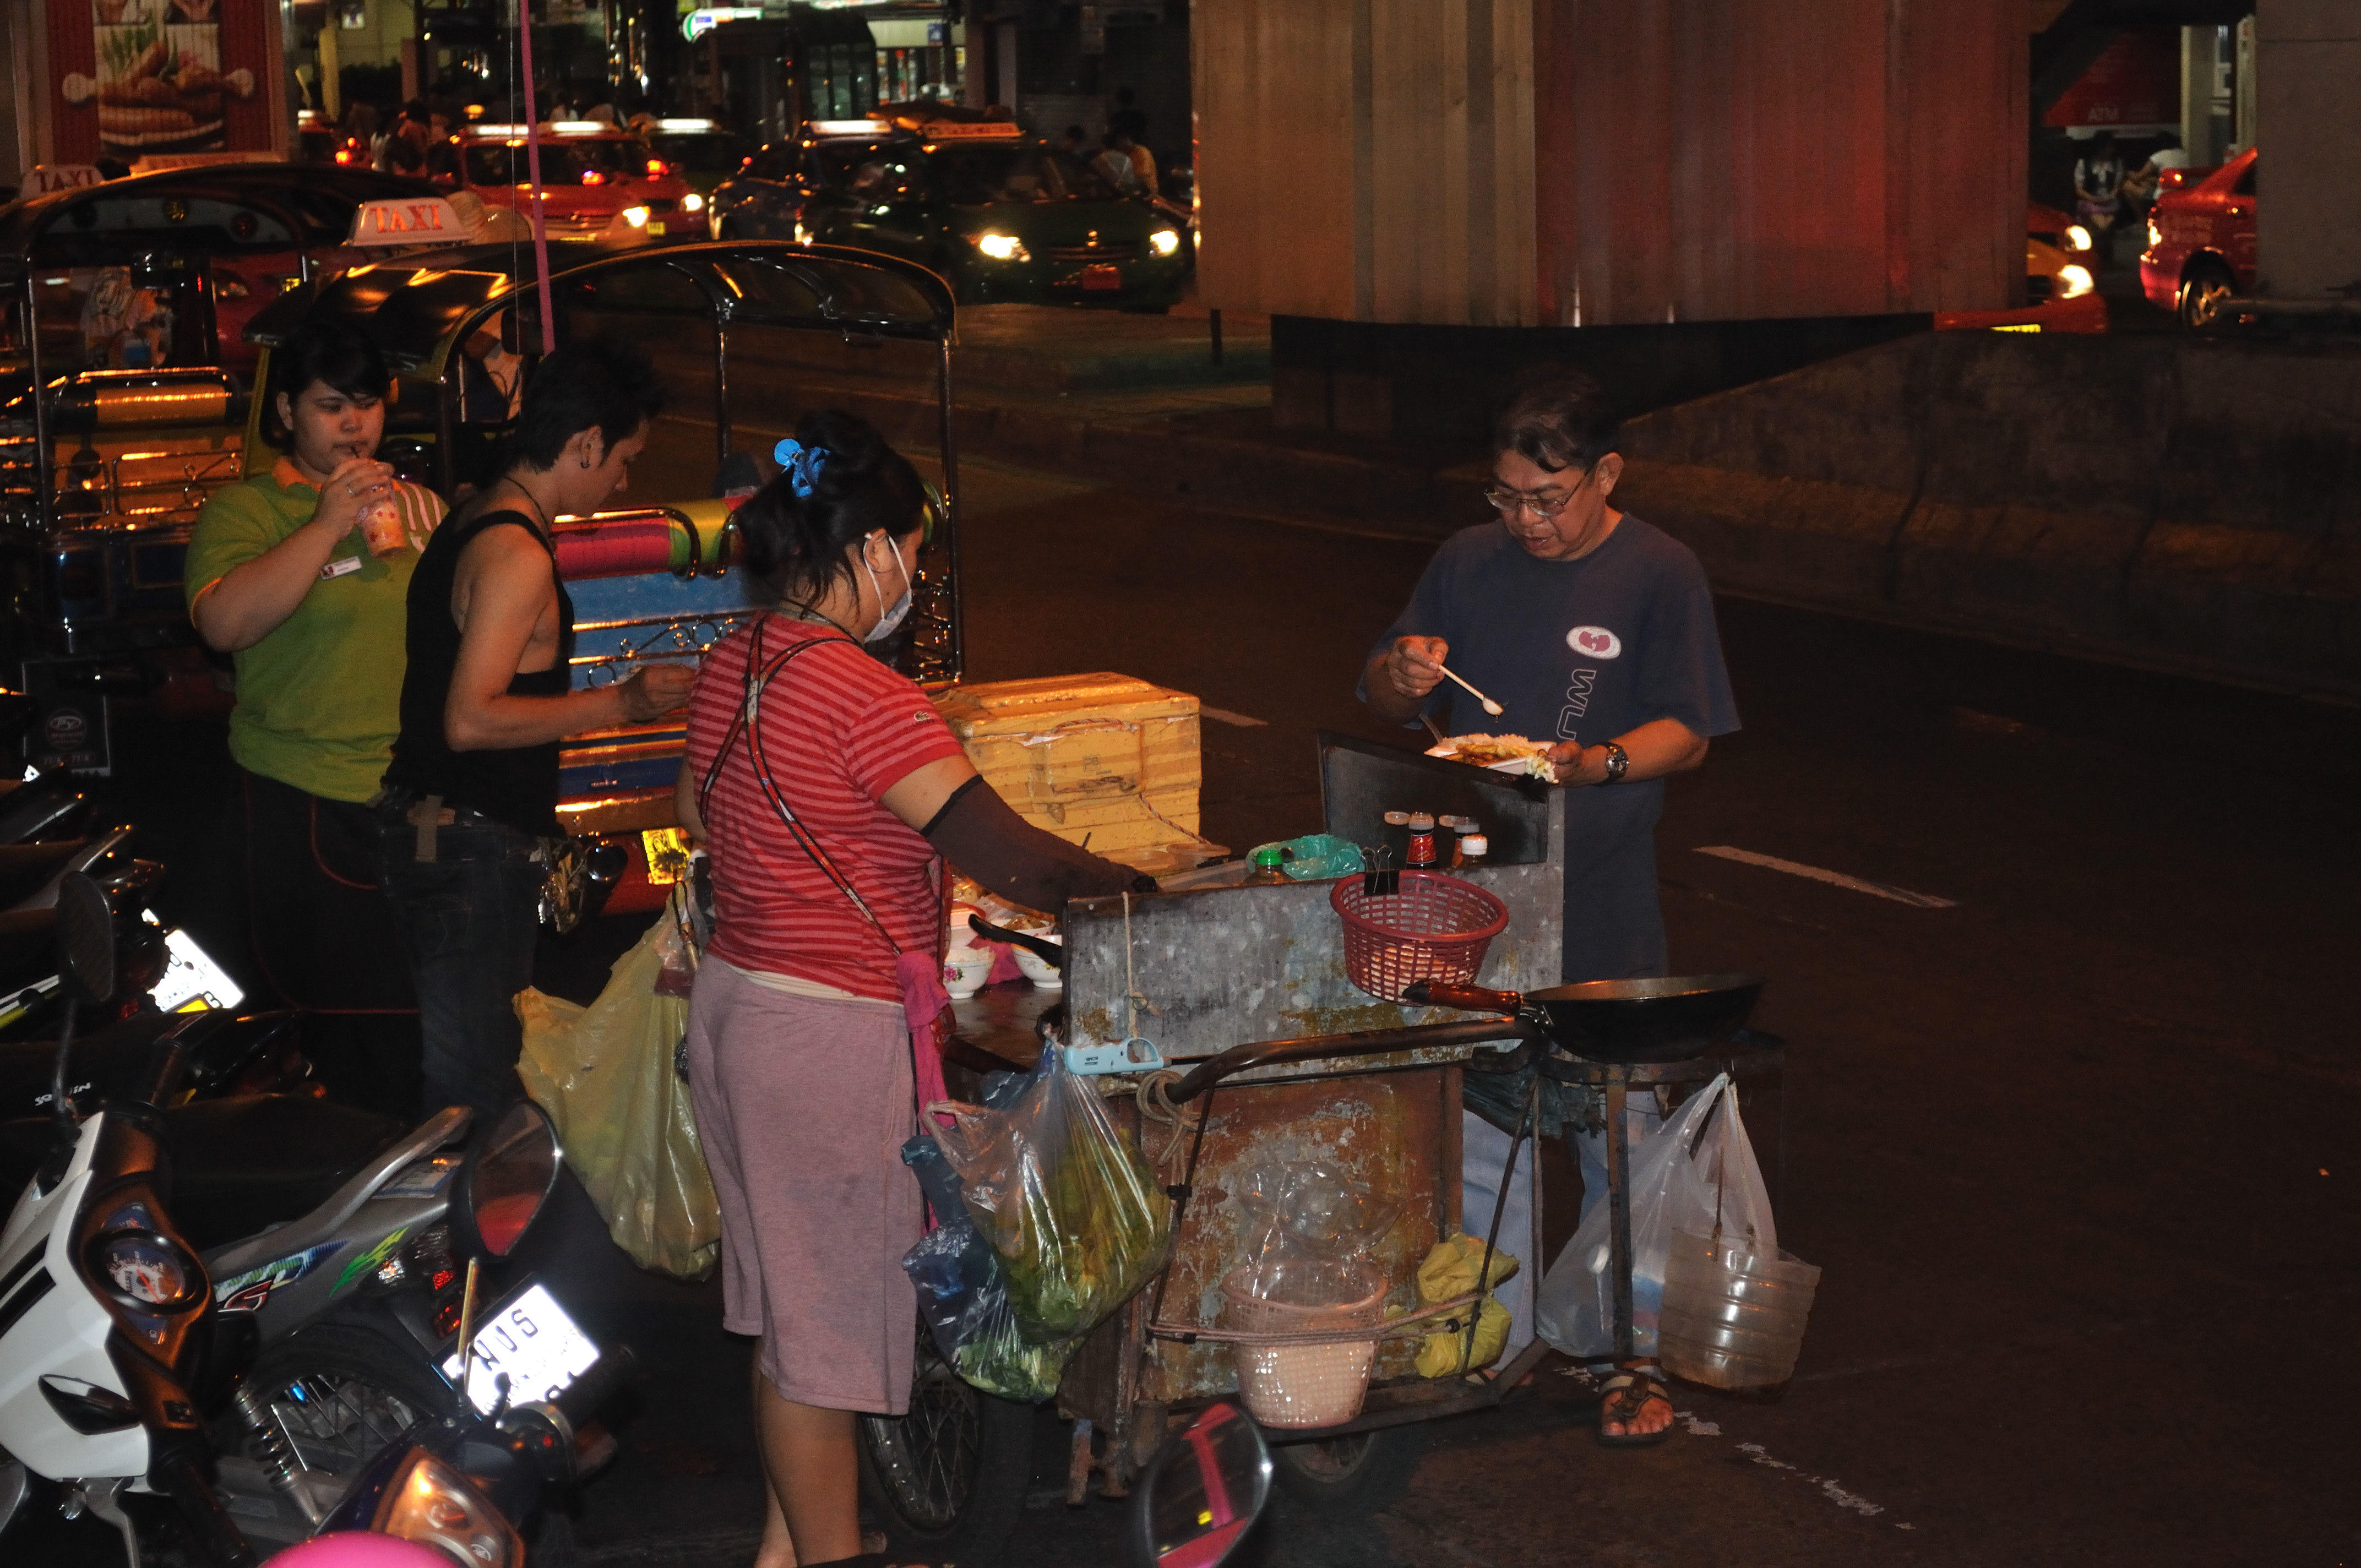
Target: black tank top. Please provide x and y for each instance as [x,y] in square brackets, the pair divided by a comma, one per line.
[518,785]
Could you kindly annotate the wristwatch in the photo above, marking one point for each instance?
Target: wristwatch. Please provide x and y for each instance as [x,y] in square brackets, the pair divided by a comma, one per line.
[1617,762]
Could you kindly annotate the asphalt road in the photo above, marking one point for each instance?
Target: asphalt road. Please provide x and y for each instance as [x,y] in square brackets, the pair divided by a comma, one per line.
[2073,1148]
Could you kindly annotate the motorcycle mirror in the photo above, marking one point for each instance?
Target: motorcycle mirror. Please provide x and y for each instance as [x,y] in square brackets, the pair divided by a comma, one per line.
[1201,1493]
[509,1173]
[86,940]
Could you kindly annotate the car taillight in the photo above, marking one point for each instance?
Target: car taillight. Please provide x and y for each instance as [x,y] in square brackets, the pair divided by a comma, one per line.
[343,155]
[656,168]
[592,177]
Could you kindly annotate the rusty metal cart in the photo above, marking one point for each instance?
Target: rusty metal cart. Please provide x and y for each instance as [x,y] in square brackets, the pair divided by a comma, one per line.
[1329,1073]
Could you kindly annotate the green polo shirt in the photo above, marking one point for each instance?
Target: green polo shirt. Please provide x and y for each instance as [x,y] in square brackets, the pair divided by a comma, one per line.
[319,698]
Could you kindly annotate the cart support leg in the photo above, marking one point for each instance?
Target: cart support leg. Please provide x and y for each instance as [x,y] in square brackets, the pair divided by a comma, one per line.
[1618,1199]
[1492,1235]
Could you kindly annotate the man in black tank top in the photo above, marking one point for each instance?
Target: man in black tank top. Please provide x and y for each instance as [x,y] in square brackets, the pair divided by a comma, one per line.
[472,790]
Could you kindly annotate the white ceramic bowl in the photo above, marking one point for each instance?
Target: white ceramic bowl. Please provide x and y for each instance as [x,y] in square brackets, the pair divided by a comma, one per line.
[963,972]
[1039,971]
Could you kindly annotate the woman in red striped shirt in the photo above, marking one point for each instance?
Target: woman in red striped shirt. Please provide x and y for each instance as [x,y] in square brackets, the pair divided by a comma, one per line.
[829,795]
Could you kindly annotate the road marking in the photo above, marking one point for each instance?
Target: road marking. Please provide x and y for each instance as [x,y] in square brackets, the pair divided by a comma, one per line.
[1834,879]
[1239,720]
[1828,1486]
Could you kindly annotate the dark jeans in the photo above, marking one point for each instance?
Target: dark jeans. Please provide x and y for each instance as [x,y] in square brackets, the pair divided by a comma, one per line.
[470,916]
[293,908]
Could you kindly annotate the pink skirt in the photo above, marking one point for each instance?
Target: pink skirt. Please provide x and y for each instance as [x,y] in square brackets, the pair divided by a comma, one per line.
[802,1104]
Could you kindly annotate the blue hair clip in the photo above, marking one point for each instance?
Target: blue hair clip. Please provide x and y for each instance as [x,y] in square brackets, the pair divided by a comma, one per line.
[802,463]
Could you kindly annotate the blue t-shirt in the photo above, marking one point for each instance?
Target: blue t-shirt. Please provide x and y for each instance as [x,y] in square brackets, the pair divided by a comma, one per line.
[1583,650]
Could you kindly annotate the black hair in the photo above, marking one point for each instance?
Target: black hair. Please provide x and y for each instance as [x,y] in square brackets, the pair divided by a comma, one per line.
[796,544]
[607,384]
[328,350]
[1558,419]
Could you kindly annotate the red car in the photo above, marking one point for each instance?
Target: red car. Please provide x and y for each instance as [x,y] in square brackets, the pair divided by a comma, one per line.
[590,172]
[2200,242]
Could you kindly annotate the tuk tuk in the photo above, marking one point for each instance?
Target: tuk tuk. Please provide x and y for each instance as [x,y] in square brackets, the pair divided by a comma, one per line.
[126,303]
[748,334]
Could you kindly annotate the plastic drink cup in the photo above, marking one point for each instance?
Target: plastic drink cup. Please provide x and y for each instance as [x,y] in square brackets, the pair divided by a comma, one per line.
[383,529]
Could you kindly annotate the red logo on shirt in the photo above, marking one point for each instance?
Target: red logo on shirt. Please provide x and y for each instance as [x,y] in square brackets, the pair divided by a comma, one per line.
[1595,640]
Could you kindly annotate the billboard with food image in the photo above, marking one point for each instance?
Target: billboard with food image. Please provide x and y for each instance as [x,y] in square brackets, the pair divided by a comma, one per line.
[159,86]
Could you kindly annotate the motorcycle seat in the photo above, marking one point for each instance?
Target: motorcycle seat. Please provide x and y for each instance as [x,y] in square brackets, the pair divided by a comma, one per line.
[238,1164]
[28,947]
[25,867]
[109,1060]
[242,1163]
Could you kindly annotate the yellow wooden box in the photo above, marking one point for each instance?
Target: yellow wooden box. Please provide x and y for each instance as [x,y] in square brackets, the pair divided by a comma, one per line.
[1107,757]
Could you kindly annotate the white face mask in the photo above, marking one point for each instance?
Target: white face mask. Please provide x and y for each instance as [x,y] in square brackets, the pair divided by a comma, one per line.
[899,609]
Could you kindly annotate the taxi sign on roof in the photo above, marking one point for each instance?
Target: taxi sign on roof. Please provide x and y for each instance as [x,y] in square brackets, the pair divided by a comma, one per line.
[846,127]
[45,178]
[969,130]
[408,221]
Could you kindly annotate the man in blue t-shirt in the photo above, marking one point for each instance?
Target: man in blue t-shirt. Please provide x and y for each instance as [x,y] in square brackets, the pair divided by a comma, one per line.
[1594,632]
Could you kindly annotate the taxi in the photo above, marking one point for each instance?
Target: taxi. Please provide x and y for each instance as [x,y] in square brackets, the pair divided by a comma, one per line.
[702,151]
[2062,292]
[2200,241]
[1000,215]
[591,175]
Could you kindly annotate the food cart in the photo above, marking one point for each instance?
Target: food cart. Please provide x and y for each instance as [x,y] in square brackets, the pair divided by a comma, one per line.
[1226,1029]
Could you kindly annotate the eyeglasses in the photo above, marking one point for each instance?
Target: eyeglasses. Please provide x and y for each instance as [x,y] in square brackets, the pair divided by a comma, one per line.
[1508,503]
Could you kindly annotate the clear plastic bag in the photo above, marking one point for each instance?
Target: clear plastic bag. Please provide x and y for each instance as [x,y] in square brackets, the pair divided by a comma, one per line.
[1695,1173]
[1303,1218]
[1063,1196]
[964,1297]
[608,1075]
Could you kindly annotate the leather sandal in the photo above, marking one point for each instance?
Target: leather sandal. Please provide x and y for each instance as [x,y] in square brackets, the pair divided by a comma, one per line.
[1623,1395]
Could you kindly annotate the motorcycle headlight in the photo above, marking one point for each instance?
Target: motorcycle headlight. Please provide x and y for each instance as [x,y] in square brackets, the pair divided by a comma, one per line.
[434,1504]
[1164,242]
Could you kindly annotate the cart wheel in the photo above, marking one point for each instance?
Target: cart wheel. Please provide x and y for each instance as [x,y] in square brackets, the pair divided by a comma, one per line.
[947,1481]
[1362,1473]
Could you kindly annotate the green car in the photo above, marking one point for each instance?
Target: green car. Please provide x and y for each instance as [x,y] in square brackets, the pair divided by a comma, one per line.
[1004,217]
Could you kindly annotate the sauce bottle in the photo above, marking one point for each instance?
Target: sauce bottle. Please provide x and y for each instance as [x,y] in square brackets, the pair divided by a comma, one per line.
[1422,840]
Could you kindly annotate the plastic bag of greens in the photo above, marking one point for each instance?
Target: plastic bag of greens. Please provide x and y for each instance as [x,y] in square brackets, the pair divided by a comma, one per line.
[963,1296]
[1063,1196]
[607,1076]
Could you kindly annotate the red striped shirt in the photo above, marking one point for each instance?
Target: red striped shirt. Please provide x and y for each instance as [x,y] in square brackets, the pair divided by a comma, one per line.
[839,730]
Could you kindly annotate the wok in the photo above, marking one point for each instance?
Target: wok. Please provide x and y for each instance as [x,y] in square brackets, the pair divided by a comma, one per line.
[1674,1018]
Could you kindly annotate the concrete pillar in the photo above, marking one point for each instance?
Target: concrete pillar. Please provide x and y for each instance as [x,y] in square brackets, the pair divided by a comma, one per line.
[2307,57]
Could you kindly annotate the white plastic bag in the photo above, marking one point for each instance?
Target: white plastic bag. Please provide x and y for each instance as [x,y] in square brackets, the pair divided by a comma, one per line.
[1697,1173]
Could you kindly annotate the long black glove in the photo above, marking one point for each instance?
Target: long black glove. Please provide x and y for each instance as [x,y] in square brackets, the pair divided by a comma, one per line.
[980,833]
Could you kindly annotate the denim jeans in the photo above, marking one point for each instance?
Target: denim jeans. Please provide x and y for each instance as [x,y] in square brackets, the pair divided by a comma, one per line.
[471,917]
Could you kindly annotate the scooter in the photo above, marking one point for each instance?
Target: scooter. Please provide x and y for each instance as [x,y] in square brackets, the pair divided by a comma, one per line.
[120,1348]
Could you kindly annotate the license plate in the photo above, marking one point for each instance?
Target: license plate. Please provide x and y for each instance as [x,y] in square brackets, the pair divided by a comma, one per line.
[1100,275]
[191,982]
[531,1340]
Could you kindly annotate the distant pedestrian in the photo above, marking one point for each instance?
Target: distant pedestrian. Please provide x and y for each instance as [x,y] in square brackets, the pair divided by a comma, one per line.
[1113,164]
[2099,182]
[1071,139]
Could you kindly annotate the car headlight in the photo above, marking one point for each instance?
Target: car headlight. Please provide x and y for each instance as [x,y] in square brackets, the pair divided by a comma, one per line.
[2073,282]
[635,216]
[1164,242]
[434,1504]
[1003,248]
[692,203]
[2077,237]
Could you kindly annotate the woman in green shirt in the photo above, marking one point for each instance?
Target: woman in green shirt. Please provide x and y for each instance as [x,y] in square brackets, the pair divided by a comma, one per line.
[281,576]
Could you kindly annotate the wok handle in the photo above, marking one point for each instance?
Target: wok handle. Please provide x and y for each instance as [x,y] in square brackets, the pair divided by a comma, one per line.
[1050,953]
[1467,998]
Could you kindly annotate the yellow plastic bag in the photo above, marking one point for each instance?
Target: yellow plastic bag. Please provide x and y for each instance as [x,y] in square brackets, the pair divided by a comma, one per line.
[1449,1271]
[605,1075]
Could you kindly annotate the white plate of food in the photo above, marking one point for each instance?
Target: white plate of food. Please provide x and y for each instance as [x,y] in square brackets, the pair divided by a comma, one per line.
[1501,754]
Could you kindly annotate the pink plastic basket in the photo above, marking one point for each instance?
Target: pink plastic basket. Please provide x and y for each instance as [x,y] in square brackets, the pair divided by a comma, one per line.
[1437,927]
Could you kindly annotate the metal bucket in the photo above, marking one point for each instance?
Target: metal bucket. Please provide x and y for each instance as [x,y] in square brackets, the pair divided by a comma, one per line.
[1733,1314]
